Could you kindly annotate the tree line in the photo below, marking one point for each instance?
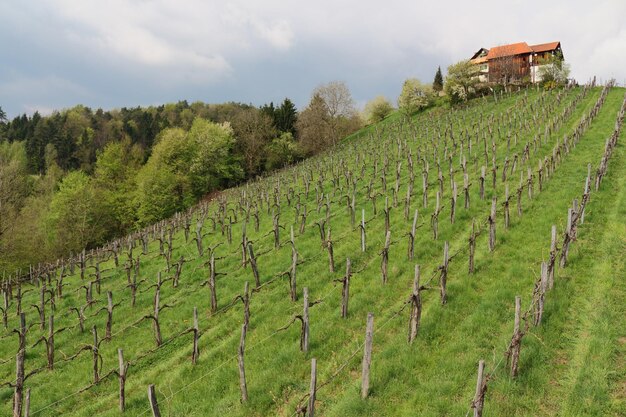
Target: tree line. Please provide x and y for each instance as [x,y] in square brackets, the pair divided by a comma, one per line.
[79,177]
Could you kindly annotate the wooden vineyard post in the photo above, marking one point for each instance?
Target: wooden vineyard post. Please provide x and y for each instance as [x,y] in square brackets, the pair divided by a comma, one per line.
[385,257]
[387,210]
[466,185]
[567,239]
[492,225]
[416,306]
[19,368]
[246,304]
[444,273]
[363,230]
[313,388]
[96,355]
[27,403]
[481,387]
[212,283]
[411,248]
[552,261]
[367,356]
[507,199]
[292,273]
[540,293]
[517,337]
[453,202]
[520,191]
[482,182]
[345,290]
[253,265]
[434,218]
[305,321]
[50,342]
[122,378]
[425,185]
[196,333]
[329,246]
[109,323]
[242,370]
[154,406]
[472,247]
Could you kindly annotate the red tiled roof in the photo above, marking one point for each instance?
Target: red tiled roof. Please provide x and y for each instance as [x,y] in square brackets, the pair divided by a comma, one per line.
[509,50]
[545,47]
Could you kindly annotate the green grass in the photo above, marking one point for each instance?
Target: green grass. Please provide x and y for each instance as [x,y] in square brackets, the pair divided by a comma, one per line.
[573,364]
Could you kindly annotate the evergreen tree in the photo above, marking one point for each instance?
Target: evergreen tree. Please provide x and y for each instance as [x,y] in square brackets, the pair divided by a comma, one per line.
[438,82]
[286,116]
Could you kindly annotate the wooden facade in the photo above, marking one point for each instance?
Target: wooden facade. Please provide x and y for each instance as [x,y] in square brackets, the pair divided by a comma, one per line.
[514,62]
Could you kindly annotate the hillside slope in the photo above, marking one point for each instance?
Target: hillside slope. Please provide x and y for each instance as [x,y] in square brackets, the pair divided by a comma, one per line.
[573,363]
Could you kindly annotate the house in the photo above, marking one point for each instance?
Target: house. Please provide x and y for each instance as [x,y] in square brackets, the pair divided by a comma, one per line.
[513,62]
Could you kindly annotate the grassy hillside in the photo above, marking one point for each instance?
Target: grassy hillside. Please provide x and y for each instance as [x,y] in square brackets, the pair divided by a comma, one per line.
[572,364]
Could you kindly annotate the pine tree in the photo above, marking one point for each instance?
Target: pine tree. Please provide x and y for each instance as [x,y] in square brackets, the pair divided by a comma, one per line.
[286,116]
[438,82]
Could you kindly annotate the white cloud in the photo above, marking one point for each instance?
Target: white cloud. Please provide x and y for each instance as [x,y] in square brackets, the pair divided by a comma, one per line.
[251,50]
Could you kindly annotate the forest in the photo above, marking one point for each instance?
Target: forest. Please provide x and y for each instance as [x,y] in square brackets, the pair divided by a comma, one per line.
[78,177]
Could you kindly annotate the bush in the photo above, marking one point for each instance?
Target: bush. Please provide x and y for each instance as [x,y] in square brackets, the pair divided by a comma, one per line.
[415,96]
[377,109]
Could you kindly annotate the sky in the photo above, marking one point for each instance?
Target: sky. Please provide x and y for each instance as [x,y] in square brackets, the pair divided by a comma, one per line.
[55,54]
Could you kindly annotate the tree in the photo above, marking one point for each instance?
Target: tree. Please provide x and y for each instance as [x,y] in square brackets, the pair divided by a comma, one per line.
[414,96]
[553,70]
[282,151]
[340,109]
[213,165]
[115,179]
[253,129]
[377,109]
[3,116]
[460,81]
[286,116]
[438,81]
[74,217]
[314,131]
[163,183]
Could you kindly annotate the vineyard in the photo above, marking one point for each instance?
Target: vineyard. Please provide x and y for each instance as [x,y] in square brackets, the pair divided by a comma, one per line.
[462,262]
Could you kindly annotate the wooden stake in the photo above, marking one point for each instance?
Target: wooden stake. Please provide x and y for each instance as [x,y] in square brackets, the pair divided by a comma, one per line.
[242,371]
[123,368]
[367,356]
[196,333]
[305,321]
[313,388]
[517,337]
[345,291]
[416,306]
[154,406]
[479,396]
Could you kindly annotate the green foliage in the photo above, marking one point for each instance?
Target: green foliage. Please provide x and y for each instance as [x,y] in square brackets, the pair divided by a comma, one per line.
[212,163]
[553,71]
[164,184]
[460,82]
[286,117]
[438,81]
[115,182]
[377,109]
[253,130]
[183,167]
[282,151]
[415,96]
[74,219]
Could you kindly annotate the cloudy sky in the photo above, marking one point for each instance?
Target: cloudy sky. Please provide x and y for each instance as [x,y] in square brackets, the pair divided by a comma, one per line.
[115,53]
